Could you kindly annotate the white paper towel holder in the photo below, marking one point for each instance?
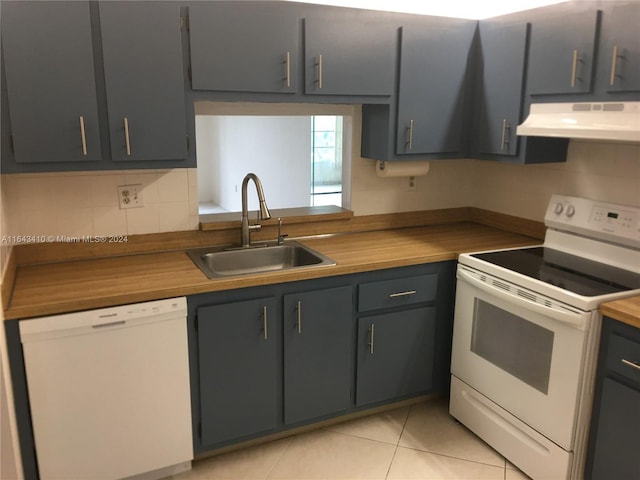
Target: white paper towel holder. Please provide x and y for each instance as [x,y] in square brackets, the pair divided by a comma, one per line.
[411,172]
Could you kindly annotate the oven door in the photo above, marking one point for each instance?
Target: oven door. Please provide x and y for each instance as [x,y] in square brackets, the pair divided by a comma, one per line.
[522,351]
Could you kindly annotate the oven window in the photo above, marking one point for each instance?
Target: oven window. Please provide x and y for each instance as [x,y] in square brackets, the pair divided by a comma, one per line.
[513,344]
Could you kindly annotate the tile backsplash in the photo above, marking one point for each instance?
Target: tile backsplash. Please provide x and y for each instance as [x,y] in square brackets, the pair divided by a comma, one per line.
[87,204]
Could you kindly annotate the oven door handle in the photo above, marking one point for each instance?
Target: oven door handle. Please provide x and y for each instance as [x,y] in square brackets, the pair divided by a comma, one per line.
[571,318]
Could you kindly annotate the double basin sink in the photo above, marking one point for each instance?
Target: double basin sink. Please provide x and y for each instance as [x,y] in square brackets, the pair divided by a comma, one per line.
[219,262]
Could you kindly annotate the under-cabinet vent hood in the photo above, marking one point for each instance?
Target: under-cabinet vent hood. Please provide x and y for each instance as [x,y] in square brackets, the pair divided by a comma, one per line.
[615,121]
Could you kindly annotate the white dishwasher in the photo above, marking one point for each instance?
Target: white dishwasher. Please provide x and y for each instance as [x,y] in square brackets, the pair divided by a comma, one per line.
[109,391]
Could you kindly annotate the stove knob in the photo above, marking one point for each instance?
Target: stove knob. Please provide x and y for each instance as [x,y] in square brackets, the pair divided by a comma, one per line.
[558,208]
[571,211]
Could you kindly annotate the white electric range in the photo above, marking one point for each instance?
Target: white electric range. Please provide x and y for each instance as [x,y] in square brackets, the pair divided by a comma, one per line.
[527,329]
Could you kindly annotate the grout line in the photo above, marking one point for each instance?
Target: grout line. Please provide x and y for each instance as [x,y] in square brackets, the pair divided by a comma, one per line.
[280,457]
[404,425]
[391,463]
[451,456]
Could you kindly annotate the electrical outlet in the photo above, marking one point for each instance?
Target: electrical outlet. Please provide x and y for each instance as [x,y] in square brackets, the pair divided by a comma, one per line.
[412,184]
[130,196]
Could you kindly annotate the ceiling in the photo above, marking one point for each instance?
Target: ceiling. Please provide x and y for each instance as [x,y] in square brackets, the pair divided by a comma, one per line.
[472,9]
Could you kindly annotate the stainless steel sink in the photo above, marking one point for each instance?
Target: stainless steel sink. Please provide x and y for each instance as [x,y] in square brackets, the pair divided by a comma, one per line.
[220,262]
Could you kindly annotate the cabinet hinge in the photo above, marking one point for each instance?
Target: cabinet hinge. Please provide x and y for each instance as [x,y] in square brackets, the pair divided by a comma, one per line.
[184,23]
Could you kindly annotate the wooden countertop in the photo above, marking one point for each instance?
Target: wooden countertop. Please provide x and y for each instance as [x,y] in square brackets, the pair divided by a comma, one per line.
[626,310]
[68,286]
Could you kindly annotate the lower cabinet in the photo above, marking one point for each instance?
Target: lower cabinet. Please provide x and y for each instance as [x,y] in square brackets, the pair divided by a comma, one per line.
[395,355]
[270,358]
[615,424]
[318,332]
[238,369]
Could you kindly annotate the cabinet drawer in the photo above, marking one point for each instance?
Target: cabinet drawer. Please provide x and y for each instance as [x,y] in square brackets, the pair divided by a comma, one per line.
[397,292]
[623,357]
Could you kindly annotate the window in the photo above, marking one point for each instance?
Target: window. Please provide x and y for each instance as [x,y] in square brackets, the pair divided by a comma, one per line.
[326,160]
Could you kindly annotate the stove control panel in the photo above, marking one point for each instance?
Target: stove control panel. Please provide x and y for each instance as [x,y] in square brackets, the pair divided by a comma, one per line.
[601,220]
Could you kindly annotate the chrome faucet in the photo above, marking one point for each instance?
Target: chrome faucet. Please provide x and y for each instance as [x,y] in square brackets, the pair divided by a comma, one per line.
[263,213]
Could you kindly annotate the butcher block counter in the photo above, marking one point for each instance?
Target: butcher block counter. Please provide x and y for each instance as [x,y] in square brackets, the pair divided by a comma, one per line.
[71,285]
[626,310]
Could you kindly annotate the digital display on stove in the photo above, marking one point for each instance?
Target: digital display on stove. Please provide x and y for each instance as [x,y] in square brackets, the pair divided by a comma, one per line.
[612,215]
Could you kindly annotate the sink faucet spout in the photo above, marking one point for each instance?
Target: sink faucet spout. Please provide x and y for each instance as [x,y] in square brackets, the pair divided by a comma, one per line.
[264,214]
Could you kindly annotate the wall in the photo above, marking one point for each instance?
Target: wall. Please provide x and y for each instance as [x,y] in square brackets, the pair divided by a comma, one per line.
[86,203]
[276,149]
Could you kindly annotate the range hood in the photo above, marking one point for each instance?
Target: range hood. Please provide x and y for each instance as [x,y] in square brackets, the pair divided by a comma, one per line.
[615,121]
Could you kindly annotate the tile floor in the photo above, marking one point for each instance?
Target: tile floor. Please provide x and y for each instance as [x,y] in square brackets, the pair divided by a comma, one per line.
[417,442]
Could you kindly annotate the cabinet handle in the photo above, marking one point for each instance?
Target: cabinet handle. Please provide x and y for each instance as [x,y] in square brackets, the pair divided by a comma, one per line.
[614,65]
[402,294]
[574,68]
[505,139]
[410,129]
[126,136]
[299,322]
[319,64]
[287,62]
[372,329]
[631,364]
[83,136]
[264,319]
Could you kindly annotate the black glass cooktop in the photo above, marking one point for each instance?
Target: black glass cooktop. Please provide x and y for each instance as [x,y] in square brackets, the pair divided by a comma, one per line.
[569,272]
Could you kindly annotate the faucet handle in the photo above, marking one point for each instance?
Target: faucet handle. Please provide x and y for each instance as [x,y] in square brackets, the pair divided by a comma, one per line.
[281,237]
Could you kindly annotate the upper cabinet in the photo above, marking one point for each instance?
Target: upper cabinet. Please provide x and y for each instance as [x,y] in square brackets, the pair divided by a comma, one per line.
[244,48]
[433,66]
[142,50]
[562,52]
[347,56]
[51,88]
[499,86]
[619,52]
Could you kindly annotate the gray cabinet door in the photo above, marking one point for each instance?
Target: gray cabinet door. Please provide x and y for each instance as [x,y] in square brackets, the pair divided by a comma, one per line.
[395,355]
[349,57]
[433,65]
[50,73]
[562,52]
[318,340]
[244,48]
[238,369]
[499,84]
[616,446]
[143,69]
[619,53]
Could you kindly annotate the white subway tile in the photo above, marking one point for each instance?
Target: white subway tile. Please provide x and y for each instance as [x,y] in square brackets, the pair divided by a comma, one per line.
[173,186]
[143,220]
[174,217]
[109,221]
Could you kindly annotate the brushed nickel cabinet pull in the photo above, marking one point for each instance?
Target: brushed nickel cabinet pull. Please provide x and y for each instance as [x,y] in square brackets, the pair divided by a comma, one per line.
[372,329]
[410,129]
[505,140]
[299,322]
[574,68]
[631,364]
[126,136]
[264,319]
[614,65]
[287,62]
[83,136]
[319,64]
[402,294]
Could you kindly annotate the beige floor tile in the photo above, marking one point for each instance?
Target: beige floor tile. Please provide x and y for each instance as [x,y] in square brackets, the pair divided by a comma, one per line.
[383,427]
[515,474]
[411,464]
[325,455]
[430,428]
[253,463]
